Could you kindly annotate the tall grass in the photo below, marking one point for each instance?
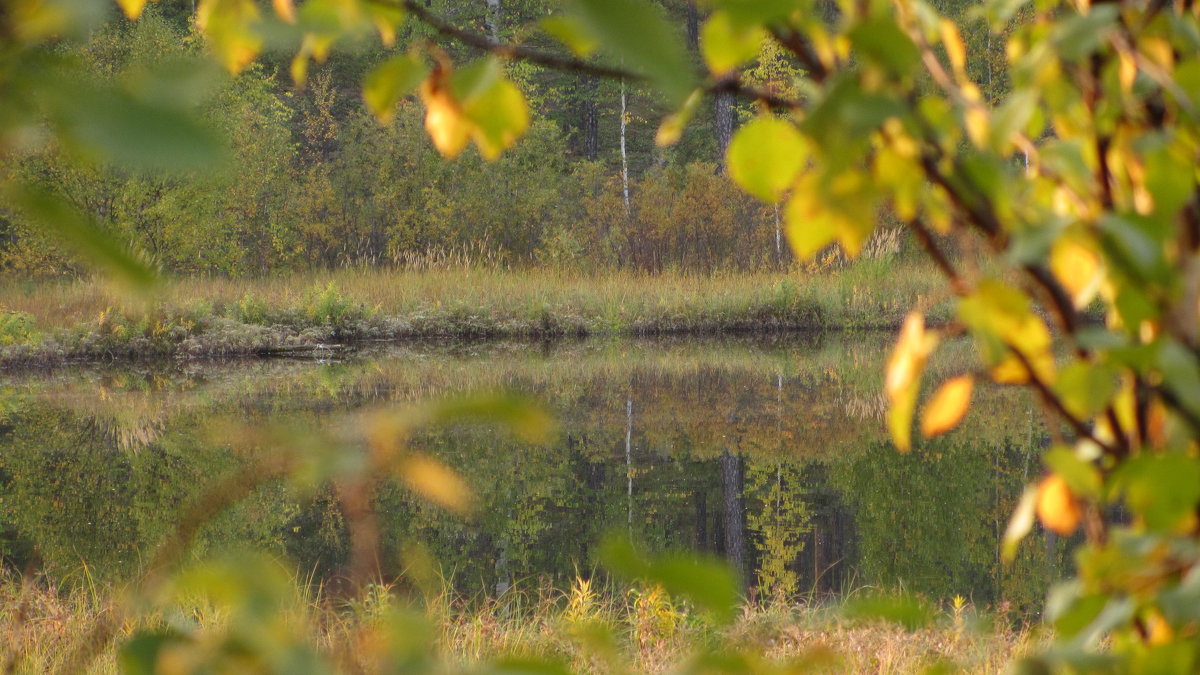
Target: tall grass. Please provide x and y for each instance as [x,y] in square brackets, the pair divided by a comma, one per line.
[587,628]
[225,315]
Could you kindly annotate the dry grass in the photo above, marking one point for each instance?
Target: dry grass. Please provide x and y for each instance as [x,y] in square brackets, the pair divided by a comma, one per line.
[872,292]
[587,630]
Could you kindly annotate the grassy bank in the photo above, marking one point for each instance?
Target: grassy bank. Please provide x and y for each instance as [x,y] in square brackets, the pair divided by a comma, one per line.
[582,629]
[198,317]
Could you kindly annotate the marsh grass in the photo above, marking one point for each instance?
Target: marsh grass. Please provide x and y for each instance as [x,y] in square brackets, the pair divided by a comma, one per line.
[199,316]
[586,628]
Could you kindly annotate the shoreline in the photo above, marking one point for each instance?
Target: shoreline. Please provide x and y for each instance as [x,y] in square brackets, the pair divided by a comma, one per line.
[189,319]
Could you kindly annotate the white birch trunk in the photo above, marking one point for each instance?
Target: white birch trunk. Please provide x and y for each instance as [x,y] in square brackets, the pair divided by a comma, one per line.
[624,156]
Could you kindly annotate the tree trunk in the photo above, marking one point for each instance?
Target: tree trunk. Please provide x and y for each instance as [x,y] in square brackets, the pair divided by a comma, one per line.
[624,155]
[732,484]
[589,118]
[629,464]
[722,125]
[493,20]
[693,26]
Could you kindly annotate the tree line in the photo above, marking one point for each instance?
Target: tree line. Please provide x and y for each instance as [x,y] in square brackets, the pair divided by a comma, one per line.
[311,180]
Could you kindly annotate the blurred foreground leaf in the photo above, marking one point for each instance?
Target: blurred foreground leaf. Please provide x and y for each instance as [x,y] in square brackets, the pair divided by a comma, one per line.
[57,217]
[904,610]
[707,583]
[638,34]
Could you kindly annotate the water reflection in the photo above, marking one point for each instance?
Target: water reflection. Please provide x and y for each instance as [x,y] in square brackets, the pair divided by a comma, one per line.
[768,452]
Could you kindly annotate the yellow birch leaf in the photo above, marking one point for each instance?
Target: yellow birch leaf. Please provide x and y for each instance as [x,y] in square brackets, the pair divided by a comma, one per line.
[1057,507]
[1078,269]
[228,26]
[672,125]
[903,378]
[978,126]
[809,226]
[955,49]
[1002,320]
[948,406]
[1158,50]
[1158,631]
[132,8]
[1126,71]
[285,10]
[725,46]
[765,155]
[448,128]
[299,65]
[386,19]
[436,482]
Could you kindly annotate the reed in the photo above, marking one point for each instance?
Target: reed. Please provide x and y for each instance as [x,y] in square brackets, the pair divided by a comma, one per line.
[203,316]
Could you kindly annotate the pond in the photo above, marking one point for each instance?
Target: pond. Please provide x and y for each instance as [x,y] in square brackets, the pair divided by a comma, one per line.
[768,452]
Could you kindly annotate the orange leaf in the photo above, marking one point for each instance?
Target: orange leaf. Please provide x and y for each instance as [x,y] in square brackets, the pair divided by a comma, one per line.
[285,9]
[1057,507]
[436,482]
[448,127]
[948,406]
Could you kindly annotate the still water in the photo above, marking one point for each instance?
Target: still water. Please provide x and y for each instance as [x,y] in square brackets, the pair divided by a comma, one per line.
[770,453]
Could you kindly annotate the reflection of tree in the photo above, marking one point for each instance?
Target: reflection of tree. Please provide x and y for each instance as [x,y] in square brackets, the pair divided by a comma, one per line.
[778,523]
[733,512]
[756,458]
[927,520]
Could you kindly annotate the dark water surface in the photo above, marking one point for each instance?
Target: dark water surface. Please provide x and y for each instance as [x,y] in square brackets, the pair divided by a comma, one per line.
[770,453]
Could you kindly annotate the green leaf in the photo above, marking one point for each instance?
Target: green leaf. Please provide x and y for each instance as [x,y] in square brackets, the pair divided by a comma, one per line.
[113,126]
[671,128]
[1181,372]
[707,583]
[765,155]
[999,12]
[391,81]
[1077,37]
[500,117]
[881,41]
[639,36]
[842,121]
[572,33]
[476,78]
[1163,490]
[1086,387]
[904,610]
[1170,178]
[55,215]
[524,417]
[139,654]
[726,46]
[745,13]
[1082,477]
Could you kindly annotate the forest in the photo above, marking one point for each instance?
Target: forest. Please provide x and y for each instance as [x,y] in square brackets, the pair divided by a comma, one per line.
[314,181]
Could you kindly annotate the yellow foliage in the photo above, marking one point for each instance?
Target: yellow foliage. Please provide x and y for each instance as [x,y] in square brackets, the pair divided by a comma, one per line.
[1057,507]
[948,406]
[903,377]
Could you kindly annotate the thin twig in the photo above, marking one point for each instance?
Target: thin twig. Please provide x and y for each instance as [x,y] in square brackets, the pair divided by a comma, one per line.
[729,84]
[1052,399]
